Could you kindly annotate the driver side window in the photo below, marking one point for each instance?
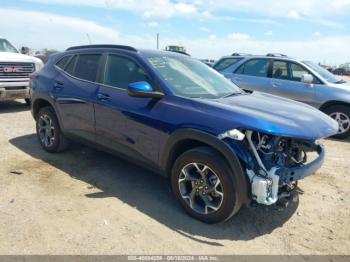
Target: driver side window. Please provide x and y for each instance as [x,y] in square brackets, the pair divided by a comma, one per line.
[297,72]
[121,71]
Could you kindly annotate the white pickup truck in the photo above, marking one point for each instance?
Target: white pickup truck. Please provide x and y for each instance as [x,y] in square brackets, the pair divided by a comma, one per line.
[15,69]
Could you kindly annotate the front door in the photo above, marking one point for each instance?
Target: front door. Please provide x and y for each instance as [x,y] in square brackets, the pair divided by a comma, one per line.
[286,82]
[124,123]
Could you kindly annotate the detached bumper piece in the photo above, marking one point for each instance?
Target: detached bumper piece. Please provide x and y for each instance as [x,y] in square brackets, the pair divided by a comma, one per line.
[292,174]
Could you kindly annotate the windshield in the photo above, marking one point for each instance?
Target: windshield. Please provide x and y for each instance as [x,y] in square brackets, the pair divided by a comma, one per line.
[5,46]
[191,78]
[323,72]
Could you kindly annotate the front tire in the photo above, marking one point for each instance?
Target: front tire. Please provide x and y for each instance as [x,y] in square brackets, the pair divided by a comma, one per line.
[203,184]
[341,114]
[49,132]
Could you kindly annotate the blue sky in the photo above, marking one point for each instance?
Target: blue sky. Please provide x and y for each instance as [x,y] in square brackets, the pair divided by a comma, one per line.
[311,29]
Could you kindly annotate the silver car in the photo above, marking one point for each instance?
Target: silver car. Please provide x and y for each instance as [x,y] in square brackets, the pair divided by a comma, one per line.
[303,81]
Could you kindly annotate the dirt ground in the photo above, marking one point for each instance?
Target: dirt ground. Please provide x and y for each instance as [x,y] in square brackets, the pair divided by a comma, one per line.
[88,202]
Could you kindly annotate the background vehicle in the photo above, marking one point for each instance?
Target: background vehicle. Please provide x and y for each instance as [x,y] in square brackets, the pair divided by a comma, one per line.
[169,112]
[284,76]
[15,69]
[341,71]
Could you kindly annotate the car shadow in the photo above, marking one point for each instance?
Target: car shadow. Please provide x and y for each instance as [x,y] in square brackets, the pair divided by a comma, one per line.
[151,194]
[13,106]
[346,140]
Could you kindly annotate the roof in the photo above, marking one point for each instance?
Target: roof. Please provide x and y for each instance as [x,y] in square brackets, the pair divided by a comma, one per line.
[125,47]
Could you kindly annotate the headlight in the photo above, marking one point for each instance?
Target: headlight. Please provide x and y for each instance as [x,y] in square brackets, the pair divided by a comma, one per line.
[38,66]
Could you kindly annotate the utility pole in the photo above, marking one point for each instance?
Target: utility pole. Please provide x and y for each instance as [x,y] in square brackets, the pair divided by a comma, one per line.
[157,41]
[88,37]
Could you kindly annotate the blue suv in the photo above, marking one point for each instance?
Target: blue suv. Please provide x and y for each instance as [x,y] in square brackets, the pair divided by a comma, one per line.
[220,147]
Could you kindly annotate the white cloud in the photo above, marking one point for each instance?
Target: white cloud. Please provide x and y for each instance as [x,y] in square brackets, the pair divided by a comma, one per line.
[146,8]
[185,8]
[293,14]
[50,30]
[153,24]
[45,30]
[316,34]
[204,29]
[238,36]
[269,33]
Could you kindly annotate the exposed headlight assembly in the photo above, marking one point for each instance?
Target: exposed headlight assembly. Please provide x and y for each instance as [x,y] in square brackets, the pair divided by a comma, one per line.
[234,134]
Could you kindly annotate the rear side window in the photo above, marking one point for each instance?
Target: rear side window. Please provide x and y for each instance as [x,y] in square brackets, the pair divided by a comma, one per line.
[255,67]
[86,67]
[225,63]
[71,65]
[63,62]
[280,70]
[121,71]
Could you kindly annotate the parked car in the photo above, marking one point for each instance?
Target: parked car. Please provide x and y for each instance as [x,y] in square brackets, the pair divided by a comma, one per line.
[15,69]
[303,81]
[341,71]
[221,147]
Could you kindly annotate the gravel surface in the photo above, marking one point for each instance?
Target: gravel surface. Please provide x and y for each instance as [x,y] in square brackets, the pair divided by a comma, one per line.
[85,201]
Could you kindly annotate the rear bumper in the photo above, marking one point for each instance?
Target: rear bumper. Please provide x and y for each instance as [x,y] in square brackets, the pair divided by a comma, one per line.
[14,90]
[293,174]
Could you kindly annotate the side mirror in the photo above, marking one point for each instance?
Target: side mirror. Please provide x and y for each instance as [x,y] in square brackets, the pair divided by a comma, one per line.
[24,50]
[143,89]
[307,79]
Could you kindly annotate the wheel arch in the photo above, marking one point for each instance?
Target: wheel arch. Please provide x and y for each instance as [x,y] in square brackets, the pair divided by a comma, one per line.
[330,103]
[186,139]
[38,104]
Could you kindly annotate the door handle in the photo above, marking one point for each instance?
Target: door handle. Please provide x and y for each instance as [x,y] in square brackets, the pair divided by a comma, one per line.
[275,84]
[103,97]
[58,85]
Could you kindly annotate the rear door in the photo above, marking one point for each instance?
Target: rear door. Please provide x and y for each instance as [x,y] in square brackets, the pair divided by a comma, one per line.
[253,74]
[74,91]
[286,81]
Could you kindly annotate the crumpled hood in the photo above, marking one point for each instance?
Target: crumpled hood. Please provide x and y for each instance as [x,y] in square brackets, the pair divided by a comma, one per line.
[17,57]
[276,115]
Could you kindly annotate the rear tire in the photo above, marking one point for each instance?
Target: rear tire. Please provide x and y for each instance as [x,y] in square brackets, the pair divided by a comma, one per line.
[341,114]
[203,184]
[49,132]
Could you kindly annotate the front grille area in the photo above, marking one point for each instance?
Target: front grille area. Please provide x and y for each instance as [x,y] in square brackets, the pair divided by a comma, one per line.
[16,70]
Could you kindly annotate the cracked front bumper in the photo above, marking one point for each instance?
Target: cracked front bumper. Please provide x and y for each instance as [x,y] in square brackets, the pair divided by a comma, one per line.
[288,175]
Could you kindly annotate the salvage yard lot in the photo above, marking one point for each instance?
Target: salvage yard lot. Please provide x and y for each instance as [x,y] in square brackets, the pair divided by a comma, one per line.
[85,201]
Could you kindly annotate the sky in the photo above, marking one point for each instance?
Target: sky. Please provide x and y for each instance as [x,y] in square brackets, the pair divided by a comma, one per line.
[317,30]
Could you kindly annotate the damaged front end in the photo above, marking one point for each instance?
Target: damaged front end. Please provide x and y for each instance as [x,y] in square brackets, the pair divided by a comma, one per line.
[274,163]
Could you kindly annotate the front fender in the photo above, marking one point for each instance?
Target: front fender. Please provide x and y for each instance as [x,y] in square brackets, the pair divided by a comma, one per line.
[238,175]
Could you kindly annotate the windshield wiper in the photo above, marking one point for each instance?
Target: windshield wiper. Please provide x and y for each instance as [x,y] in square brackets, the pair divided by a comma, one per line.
[233,94]
[340,82]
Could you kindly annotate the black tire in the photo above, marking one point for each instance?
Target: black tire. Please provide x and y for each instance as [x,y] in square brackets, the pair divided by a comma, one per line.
[58,142]
[28,101]
[209,157]
[345,110]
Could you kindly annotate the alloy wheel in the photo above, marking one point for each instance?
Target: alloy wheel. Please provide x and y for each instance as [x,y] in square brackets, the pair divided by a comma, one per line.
[343,121]
[46,130]
[201,188]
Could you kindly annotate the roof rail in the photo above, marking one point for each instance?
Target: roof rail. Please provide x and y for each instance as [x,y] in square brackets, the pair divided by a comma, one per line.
[125,47]
[239,54]
[276,55]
